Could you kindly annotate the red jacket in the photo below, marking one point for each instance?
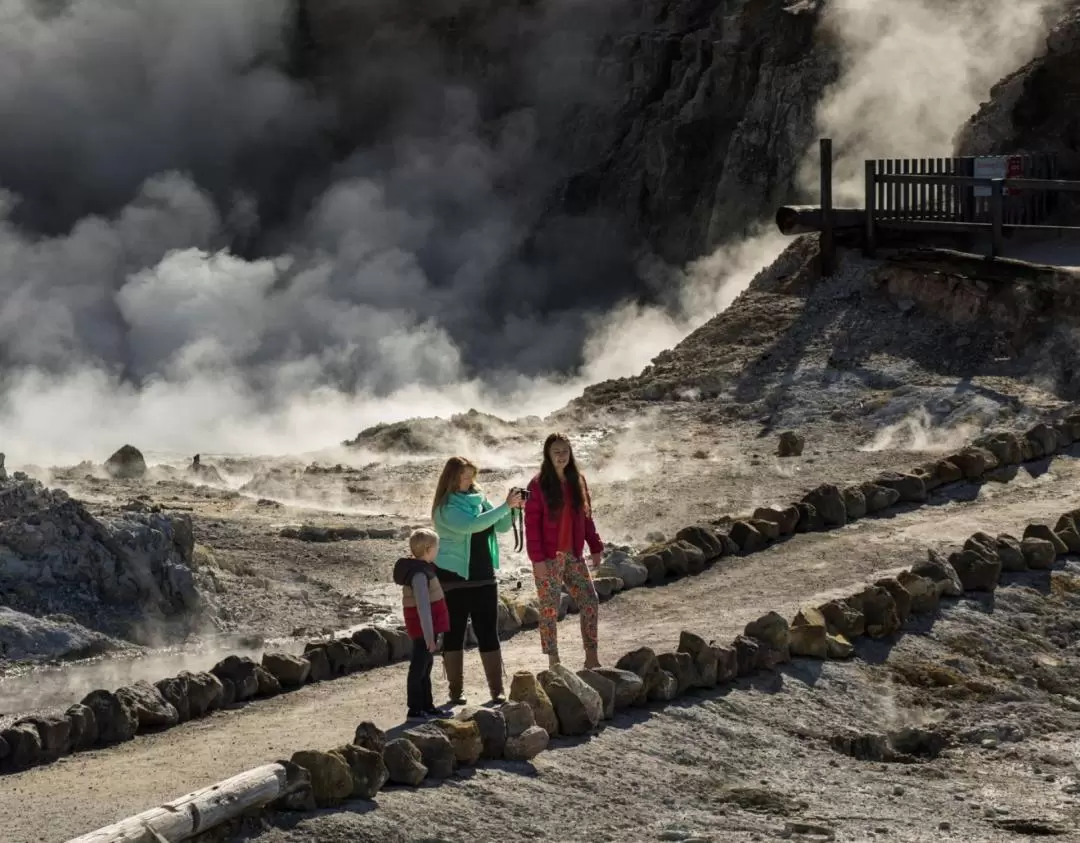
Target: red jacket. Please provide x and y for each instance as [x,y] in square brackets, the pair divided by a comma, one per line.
[542,526]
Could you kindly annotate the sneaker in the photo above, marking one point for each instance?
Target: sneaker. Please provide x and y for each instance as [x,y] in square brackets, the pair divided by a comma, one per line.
[435,711]
[416,715]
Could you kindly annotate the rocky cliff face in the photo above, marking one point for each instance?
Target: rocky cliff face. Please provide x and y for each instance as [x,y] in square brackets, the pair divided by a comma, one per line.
[673,124]
[57,558]
[1035,109]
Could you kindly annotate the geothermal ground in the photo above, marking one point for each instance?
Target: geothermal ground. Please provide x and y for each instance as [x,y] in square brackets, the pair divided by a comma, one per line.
[768,757]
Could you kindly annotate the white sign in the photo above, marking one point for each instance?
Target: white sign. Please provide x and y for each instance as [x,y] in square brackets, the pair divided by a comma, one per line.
[994,167]
[997,167]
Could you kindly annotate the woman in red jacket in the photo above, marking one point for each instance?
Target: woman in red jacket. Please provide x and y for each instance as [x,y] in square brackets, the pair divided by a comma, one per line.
[558,524]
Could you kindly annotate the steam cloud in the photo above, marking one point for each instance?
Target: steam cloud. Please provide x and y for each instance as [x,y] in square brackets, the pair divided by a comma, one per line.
[183,263]
[913,72]
[186,264]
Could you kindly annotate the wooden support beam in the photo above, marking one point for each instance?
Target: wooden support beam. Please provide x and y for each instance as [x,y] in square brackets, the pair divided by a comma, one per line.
[870,242]
[997,210]
[806,219]
[198,811]
[828,241]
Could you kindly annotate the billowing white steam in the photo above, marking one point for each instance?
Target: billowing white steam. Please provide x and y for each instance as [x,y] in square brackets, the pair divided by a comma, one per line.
[913,72]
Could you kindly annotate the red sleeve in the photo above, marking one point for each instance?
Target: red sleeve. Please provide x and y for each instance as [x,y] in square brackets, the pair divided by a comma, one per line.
[592,537]
[534,523]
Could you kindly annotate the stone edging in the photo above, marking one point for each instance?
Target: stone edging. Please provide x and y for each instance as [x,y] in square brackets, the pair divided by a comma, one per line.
[103,718]
[559,702]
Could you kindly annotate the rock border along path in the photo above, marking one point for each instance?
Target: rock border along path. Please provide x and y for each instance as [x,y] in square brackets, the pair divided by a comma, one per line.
[106,718]
[559,702]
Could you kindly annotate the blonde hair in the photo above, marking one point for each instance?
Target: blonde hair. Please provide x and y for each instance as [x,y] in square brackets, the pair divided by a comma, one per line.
[421,540]
[448,480]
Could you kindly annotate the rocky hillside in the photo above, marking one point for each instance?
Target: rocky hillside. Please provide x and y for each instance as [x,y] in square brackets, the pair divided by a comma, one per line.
[659,118]
[1034,109]
[793,346]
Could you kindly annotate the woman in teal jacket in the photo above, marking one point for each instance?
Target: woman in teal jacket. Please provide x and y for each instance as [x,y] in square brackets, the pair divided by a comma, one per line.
[468,558]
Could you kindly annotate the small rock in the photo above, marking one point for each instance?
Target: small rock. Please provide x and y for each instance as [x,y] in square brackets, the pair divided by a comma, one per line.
[404,763]
[829,502]
[464,737]
[435,749]
[938,569]
[1038,553]
[84,732]
[790,444]
[369,736]
[290,671]
[577,706]
[808,634]
[368,769]
[839,647]
[126,464]
[331,778]
[116,720]
[24,747]
[518,717]
[491,724]
[524,688]
[527,745]
[1042,531]
[604,687]
[629,687]
[151,708]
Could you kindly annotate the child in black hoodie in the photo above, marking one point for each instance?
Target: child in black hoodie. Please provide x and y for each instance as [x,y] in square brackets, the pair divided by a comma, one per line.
[426,616]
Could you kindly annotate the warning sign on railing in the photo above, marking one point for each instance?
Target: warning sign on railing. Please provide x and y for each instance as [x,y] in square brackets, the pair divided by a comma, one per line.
[997,167]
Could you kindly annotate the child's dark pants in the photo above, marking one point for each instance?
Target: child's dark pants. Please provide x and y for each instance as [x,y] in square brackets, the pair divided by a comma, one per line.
[419,681]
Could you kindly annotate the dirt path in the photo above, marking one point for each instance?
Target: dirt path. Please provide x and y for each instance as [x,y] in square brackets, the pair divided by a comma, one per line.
[82,792]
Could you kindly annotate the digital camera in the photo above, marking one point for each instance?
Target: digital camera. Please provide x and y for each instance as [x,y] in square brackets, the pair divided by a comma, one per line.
[523,492]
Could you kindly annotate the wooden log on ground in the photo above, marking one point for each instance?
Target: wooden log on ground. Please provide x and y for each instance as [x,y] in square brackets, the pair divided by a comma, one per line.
[198,811]
[805,219]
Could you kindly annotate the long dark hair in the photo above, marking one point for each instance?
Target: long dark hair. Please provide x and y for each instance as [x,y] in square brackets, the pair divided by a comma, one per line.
[449,481]
[551,486]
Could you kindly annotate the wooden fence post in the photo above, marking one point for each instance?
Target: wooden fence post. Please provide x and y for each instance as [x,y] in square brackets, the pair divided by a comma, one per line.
[827,244]
[997,197]
[870,240]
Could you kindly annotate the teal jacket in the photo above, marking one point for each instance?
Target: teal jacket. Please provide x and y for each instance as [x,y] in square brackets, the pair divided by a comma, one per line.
[463,514]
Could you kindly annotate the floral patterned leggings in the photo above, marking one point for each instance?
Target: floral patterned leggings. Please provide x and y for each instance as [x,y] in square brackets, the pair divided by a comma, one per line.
[574,574]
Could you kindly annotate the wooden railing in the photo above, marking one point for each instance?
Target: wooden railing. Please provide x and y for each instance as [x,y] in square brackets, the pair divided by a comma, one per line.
[940,205]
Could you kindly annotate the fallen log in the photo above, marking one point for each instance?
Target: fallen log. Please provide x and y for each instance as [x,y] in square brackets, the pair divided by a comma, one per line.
[978,267]
[805,219]
[198,811]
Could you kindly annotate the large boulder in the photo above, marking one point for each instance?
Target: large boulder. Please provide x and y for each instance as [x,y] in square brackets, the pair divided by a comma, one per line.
[808,634]
[1005,447]
[369,736]
[375,644]
[1010,553]
[369,772]
[126,464]
[151,708]
[619,565]
[524,688]
[331,778]
[174,691]
[398,642]
[937,568]
[518,717]
[810,520]
[578,707]
[747,655]
[828,500]
[974,462]
[205,692]
[1043,440]
[116,719]
[320,663]
[404,763]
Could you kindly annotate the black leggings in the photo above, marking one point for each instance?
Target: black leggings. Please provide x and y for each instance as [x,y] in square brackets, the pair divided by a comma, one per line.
[481,602]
